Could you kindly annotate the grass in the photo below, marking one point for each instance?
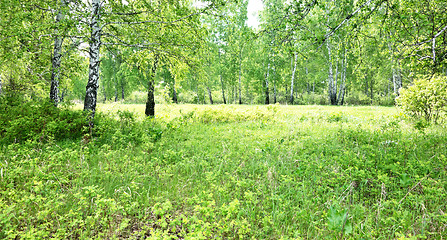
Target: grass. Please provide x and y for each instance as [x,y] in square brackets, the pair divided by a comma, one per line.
[231,172]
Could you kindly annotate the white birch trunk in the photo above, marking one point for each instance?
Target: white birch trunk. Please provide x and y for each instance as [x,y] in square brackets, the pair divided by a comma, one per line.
[93,74]
[395,69]
[332,94]
[56,60]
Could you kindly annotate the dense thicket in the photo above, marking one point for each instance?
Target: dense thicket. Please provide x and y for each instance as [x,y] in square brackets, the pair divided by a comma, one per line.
[304,52]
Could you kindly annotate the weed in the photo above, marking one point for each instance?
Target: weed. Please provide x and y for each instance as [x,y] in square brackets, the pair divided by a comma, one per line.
[229,172]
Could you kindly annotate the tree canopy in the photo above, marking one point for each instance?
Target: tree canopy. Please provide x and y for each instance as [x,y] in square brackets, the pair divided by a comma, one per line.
[325,52]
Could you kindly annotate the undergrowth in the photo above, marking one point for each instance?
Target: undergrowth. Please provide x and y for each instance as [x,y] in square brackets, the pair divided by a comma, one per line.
[230,173]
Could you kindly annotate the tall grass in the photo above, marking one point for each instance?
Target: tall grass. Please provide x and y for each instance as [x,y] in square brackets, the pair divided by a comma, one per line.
[233,172]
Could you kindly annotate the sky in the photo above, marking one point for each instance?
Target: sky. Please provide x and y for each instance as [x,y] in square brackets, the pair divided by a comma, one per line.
[254,6]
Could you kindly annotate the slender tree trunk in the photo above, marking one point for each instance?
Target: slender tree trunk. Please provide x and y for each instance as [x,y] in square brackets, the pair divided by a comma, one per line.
[93,75]
[63,95]
[267,95]
[210,95]
[397,83]
[293,77]
[56,61]
[150,103]
[223,90]
[332,93]
[122,91]
[174,94]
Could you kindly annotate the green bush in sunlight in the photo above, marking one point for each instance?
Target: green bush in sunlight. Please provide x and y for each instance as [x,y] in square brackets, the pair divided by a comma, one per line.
[426,98]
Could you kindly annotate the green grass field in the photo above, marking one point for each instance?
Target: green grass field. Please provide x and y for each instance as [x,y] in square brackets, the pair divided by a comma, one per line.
[231,172]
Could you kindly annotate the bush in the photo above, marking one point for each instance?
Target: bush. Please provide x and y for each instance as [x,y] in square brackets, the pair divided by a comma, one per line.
[228,114]
[136,97]
[187,97]
[312,99]
[357,98]
[42,121]
[120,129]
[426,98]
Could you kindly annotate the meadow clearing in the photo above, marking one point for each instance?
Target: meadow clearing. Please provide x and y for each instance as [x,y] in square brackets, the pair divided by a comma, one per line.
[230,172]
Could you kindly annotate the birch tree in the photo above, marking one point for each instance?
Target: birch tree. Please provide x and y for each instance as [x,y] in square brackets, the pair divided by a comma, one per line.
[141,26]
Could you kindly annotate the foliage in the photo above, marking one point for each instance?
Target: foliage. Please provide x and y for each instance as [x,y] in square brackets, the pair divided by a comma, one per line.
[295,172]
[222,114]
[38,121]
[426,98]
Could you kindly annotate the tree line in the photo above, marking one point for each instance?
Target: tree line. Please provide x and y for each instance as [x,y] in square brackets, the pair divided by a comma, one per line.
[328,52]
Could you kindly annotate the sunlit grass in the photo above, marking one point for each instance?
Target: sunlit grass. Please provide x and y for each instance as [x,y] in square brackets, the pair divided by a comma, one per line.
[230,171]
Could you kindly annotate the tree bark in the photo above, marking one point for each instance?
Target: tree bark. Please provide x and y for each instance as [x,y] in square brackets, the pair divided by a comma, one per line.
[150,103]
[395,68]
[93,75]
[223,90]
[331,86]
[209,95]
[293,77]
[267,97]
[63,95]
[174,94]
[56,61]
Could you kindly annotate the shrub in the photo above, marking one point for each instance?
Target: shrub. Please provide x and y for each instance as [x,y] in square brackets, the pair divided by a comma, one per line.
[136,97]
[187,97]
[21,120]
[426,98]
[117,130]
[357,98]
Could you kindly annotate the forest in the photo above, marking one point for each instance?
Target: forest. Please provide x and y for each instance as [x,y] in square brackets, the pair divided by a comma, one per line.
[238,119]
